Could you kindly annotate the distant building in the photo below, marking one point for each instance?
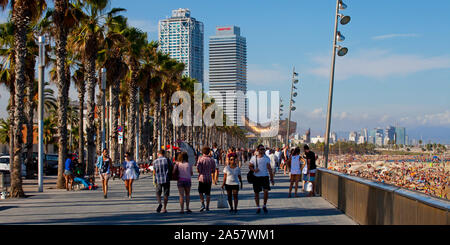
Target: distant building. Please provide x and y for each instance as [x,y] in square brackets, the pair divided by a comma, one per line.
[181,36]
[361,139]
[400,136]
[308,136]
[365,133]
[353,137]
[318,139]
[333,138]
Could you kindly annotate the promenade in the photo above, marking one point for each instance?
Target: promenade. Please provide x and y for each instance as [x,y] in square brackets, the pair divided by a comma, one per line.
[59,207]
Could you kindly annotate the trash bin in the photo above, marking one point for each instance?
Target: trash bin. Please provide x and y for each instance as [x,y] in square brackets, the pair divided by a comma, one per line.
[5,182]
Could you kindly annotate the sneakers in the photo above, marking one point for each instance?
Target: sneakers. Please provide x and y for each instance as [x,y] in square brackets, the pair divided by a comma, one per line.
[203,208]
[265,210]
[159,208]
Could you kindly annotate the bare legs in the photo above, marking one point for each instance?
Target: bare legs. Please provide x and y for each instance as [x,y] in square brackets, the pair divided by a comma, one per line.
[129,187]
[184,195]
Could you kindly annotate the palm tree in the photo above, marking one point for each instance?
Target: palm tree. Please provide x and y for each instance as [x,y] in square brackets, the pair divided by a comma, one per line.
[136,41]
[23,12]
[4,131]
[85,40]
[111,57]
[50,129]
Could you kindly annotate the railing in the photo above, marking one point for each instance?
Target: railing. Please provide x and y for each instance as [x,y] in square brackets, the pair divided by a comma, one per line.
[373,203]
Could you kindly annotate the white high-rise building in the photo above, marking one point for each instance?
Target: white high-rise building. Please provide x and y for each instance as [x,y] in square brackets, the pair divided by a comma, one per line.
[181,36]
[228,72]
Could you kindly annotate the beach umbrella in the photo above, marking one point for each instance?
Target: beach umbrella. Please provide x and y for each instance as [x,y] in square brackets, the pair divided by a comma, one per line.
[190,151]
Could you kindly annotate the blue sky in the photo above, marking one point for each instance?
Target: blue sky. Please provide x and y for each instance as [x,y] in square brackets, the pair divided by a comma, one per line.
[397,71]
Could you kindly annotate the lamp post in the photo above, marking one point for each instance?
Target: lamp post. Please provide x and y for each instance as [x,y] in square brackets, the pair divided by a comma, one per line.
[41,113]
[291,102]
[104,108]
[341,51]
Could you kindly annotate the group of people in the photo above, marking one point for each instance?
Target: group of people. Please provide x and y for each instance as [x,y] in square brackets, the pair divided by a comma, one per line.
[263,163]
[416,173]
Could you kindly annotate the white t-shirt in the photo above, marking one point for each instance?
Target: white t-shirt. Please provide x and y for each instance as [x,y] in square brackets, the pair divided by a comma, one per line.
[295,165]
[262,165]
[232,175]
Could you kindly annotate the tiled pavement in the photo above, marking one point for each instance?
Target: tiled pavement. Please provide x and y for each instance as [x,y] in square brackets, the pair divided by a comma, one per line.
[59,207]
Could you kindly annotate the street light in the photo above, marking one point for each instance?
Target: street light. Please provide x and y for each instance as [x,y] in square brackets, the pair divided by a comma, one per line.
[291,104]
[41,114]
[341,51]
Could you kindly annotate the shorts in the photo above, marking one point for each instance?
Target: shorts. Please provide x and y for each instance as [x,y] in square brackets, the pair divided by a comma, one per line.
[184,183]
[204,188]
[312,175]
[295,177]
[67,172]
[304,177]
[160,187]
[231,187]
[261,183]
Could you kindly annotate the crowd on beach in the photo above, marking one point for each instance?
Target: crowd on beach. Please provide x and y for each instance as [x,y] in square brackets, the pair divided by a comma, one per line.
[425,174]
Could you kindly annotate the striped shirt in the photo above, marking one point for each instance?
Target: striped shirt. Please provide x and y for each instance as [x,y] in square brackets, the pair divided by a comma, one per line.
[205,166]
[161,168]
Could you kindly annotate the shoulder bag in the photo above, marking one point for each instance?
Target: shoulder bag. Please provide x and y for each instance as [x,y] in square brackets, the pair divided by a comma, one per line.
[251,175]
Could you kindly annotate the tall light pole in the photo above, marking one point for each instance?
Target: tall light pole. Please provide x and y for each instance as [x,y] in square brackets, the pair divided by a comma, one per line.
[341,51]
[291,102]
[41,113]
[104,108]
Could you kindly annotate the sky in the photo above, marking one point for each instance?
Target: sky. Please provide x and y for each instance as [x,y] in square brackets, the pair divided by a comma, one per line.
[397,70]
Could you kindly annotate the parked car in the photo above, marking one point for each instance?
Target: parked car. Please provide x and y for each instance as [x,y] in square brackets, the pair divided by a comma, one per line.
[51,164]
[5,165]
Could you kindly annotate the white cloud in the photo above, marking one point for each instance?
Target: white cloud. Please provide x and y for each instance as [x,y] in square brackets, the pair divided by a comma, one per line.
[436,119]
[389,36]
[258,75]
[379,64]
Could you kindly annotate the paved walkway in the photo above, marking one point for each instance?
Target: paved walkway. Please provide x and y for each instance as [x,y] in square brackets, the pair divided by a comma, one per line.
[59,207]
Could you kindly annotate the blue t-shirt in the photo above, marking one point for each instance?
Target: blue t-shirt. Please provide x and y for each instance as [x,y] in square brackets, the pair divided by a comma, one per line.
[68,165]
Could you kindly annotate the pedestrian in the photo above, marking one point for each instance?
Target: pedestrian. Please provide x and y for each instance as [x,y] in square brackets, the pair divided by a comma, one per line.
[161,169]
[285,156]
[215,154]
[231,180]
[130,172]
[311,159]
[294,164]
[278,155]
[273,161]
[260,165]
[205,167]
[184,184]
[68,171]
[103,167]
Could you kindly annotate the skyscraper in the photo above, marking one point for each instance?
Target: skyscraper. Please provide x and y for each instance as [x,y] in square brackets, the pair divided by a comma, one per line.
[228,71]
[181,36]
[400,136]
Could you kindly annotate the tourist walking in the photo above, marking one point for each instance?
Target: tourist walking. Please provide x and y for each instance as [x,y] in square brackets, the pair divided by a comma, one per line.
[216,156]
[294,164]
[68,171]
[231,180]
[260,165]
[285,156]
[273,161]
[205,167]
[130,172]
[103,167]
[184,170]
[161,168]
[311,159]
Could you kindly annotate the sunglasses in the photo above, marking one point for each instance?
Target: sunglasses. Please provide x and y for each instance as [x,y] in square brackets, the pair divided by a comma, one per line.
[231,159]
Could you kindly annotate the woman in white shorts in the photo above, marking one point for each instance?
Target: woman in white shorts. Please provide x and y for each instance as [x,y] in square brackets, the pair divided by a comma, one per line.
[295,163]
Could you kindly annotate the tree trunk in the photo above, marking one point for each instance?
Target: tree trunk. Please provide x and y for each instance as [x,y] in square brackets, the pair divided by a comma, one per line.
[132,96]
[146,124]
[115,110]
[90,127]
[81,93]
[62,84]
[30,116]
[156,124]
[21,21]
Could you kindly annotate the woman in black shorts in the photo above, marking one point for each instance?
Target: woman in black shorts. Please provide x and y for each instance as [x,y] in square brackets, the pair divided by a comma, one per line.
[232,173]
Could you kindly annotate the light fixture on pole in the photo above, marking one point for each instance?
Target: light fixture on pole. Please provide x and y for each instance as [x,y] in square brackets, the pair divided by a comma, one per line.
[41,42]
[291,105]
[341,51]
